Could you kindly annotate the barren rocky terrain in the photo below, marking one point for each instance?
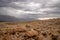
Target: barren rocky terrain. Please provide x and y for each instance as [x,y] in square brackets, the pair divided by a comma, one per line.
[31,30]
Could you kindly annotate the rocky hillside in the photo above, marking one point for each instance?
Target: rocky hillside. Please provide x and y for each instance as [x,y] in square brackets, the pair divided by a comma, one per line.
[31,30]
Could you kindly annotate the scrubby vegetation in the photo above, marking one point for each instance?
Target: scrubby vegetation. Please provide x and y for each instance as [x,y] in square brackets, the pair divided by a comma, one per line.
[31,30]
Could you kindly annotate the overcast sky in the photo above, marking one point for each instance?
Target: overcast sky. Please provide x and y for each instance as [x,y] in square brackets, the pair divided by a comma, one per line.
[30,8]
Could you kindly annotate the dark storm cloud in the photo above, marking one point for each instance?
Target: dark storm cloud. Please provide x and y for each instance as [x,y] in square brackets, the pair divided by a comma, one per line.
[56,9]
[30,9]
[4,2]
[28,5]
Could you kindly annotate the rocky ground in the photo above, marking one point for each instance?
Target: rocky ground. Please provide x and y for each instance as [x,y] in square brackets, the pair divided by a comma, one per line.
[32,30]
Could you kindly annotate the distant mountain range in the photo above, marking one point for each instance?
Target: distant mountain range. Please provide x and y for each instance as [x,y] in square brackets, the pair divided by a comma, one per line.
[7,18]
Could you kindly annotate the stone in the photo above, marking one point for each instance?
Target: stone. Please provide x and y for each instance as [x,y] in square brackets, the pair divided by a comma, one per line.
[31,33]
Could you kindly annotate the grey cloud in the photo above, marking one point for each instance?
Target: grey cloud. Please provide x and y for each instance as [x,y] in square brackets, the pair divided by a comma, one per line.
[4,2]
[56,10]
[23,6]
[13,8]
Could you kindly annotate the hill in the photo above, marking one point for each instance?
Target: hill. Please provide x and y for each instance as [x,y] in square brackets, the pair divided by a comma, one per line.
[31,30]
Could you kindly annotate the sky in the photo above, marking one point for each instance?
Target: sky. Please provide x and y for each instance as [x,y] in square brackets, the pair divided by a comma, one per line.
[29,9]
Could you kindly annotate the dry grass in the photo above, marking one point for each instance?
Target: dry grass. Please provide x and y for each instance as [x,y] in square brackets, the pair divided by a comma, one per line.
[42,30]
